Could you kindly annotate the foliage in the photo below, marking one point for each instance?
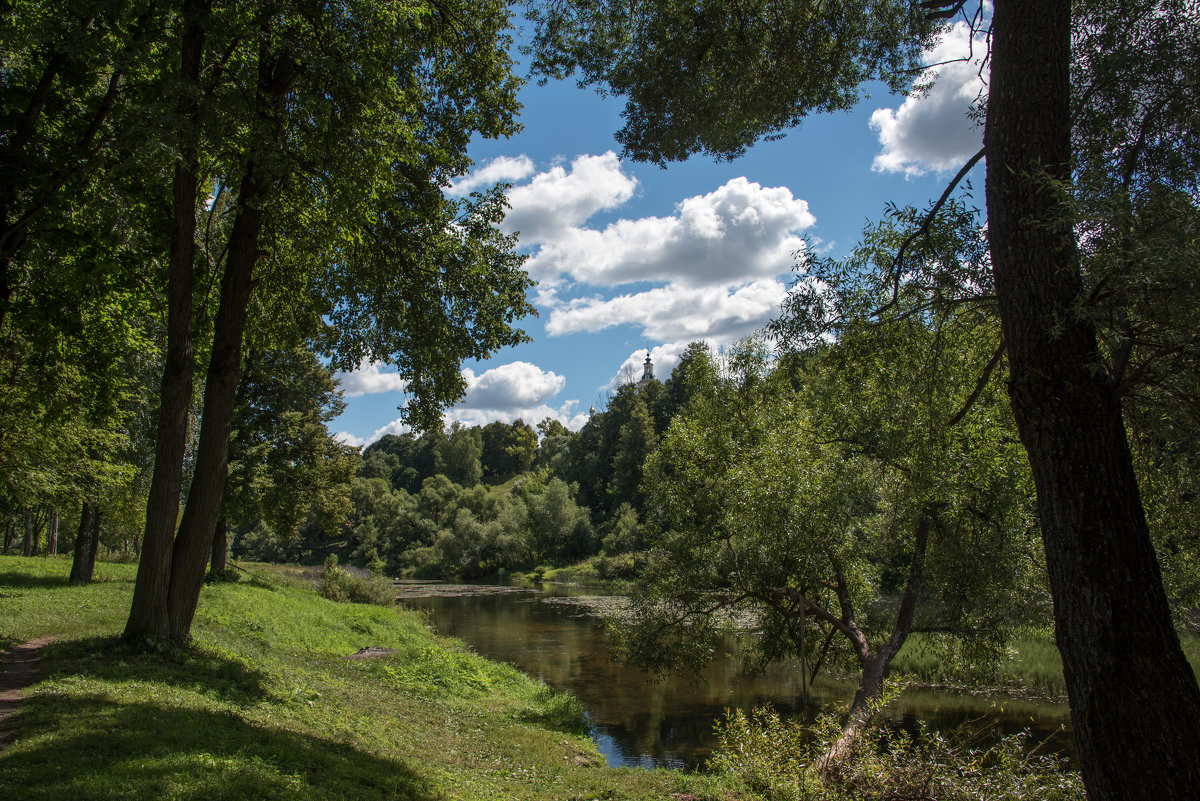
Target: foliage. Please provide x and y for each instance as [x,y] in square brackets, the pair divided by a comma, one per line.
[339,584]
[283,462]
[710,78]
[775,758]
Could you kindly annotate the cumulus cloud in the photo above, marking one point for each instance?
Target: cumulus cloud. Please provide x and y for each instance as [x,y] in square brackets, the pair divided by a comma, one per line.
[502,168]
[737,232]
[568,414]
[370,379]
[932,131]
[676,312]
[558,199]
[346,438]
[510,386]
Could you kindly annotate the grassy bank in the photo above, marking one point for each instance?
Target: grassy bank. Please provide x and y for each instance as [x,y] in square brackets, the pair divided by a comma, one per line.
[265,705]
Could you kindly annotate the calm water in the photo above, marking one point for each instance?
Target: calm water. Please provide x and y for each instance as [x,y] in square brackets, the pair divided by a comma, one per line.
[669,723]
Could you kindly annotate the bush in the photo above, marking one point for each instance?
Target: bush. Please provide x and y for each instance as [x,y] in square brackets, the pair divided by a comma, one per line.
[339,584]
[228,575]
[775,758]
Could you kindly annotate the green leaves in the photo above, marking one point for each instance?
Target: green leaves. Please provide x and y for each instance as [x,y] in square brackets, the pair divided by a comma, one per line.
[714,77]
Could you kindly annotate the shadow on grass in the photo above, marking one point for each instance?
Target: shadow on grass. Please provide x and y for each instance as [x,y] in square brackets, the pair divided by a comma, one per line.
[112,659]
[12,579]
[100,749]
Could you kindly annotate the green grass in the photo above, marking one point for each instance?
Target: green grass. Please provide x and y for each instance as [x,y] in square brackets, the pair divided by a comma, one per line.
[1032,664]
[264,706]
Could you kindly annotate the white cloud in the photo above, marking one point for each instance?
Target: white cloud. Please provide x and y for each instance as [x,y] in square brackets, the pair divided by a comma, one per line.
[568,414]
[510,386]
[556,200]
[370,379]
[346,438]
[932,131]
[502,168]
[675,312]
[735,233]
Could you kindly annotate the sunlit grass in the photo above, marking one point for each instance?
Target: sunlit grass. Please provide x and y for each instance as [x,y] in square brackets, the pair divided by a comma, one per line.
[265,705]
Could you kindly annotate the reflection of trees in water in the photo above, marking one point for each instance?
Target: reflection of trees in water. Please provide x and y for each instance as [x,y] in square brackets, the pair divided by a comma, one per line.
[668,722]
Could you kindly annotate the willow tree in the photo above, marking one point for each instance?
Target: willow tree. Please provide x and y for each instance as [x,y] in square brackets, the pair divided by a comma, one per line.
[713,77]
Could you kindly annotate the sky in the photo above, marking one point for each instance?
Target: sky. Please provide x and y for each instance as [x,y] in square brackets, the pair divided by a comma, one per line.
[631,258]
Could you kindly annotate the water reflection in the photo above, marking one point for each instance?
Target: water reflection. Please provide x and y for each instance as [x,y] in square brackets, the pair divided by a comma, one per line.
[643,722]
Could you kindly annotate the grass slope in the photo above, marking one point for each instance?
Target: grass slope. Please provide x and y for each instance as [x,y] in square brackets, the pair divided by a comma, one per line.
[265,706]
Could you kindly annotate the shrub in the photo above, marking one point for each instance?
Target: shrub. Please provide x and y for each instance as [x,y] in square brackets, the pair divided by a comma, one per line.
[775,758]
[228,575]
[339,584]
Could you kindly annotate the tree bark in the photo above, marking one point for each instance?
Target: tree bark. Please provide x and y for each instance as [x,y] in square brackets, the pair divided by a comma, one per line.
[27,545]
[1135,704]
[148,611]
[87,542]
[875,665]
[220,546]
[193,545]
[52,533]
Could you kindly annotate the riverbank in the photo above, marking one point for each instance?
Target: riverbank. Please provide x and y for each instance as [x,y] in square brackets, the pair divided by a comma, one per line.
[266,704]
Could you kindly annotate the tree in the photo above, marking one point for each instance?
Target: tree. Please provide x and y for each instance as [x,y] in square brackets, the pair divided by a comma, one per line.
[393,269]
[851,510]
[1106,583]
[284,464]
[457,455]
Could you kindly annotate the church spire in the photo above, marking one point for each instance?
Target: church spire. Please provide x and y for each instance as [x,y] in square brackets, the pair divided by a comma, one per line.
[647,370]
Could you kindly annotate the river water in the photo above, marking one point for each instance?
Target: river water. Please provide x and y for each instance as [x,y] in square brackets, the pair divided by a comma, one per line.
[639,721]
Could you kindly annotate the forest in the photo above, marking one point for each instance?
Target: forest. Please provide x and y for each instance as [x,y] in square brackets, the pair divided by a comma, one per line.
[983,419]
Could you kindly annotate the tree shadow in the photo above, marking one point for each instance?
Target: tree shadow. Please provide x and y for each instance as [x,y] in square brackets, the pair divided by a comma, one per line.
[12,579]
[112,659]
[103,749]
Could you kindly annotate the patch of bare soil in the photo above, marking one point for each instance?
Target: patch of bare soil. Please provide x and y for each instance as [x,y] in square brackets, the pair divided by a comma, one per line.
[20,670]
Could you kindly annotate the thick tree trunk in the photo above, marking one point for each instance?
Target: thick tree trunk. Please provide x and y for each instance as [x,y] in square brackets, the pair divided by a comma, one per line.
[148,612]
[193,545]
[220,546]
[87,542]
[1135,704]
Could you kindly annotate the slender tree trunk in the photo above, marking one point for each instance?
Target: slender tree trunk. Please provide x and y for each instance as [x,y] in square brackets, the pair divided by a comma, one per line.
[220,546]
[193,545]
[9,528]
[87,541]
[27,545]
[148,612]
[52,534]
[1135,704]
[875,665]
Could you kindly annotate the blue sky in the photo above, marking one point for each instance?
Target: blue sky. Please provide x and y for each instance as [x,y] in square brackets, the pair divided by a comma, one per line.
[629,256]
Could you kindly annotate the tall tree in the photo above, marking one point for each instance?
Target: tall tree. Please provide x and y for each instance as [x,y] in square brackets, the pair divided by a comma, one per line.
[335,169]
[1109,602]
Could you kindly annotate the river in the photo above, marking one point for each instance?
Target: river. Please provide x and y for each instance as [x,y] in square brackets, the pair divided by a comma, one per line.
[638,721]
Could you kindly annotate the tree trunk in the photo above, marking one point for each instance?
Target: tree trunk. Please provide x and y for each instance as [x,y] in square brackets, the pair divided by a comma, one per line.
[148,612]
[220,546]
[1135,704]
[27,545]
[87,541]
[193,545]
[52,534]
[875,665]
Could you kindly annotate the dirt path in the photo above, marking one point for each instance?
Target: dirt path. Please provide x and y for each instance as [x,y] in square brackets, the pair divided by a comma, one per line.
[20,670]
